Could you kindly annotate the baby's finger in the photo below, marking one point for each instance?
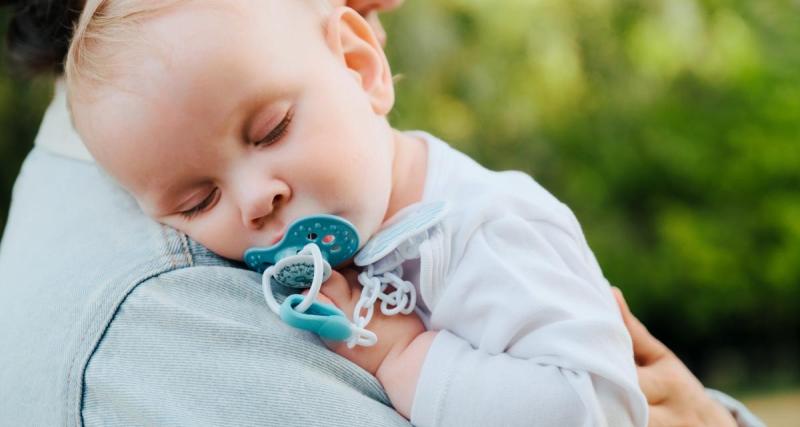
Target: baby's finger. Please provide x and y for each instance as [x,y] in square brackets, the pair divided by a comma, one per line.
[337,290]
[320,297]
[351,275]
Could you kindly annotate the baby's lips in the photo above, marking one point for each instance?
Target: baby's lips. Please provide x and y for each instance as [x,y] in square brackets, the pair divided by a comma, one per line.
[278,236]
[276,239]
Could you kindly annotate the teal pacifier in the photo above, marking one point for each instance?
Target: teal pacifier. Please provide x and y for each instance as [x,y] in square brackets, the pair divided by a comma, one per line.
[336,238]
[310,244]
[304,256]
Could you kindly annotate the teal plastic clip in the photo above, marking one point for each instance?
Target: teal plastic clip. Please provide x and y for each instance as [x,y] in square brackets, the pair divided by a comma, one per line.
[325,320]
[336,238]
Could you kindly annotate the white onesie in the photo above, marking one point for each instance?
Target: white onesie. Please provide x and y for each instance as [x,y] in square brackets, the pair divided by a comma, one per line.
[530,333]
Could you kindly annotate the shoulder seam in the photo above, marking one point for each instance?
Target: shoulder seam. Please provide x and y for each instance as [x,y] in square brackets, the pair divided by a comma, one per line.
[82,372]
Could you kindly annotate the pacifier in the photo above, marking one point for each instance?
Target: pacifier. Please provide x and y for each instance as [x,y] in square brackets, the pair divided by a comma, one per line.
[303,259]
[304,256]
[336,238]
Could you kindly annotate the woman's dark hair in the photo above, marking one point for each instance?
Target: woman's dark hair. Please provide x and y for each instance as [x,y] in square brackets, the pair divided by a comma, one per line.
[39,33]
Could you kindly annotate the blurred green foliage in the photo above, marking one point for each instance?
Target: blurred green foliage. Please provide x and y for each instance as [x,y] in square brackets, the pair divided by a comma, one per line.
[670,127]
[22,103]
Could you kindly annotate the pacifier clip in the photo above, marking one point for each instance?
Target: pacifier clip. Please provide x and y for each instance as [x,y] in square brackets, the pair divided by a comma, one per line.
[304,256]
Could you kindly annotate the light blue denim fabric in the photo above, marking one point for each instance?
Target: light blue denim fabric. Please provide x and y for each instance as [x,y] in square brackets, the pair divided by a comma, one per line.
[107,318]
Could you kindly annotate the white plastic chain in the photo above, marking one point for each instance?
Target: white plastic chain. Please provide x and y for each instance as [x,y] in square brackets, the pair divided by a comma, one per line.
[402,299]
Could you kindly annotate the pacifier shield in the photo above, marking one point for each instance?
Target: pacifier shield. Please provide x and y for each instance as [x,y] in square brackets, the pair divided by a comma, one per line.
[336,238]
[298,271]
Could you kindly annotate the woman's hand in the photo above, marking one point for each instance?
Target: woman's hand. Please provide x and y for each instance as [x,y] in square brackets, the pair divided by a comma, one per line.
[676,397]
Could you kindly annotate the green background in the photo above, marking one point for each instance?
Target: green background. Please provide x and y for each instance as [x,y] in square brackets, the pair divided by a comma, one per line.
[670,127]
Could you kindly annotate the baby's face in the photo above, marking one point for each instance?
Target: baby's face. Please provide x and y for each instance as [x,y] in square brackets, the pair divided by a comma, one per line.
[242,119]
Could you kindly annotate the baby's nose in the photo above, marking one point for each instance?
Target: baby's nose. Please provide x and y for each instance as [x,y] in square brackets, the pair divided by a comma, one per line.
[258,208]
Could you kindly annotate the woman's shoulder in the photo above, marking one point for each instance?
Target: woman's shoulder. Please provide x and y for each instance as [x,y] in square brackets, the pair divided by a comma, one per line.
[107,313]
[74,247]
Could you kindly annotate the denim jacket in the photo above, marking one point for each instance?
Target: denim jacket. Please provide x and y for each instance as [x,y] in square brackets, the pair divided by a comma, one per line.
[109,318]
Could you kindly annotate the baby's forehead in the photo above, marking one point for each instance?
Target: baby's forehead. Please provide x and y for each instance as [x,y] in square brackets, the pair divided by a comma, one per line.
[224,19]
[233,13]
[199,62]
[195,37]
[122,32]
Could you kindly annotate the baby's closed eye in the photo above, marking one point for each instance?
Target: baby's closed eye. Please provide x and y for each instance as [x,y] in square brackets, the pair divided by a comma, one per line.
[204,205]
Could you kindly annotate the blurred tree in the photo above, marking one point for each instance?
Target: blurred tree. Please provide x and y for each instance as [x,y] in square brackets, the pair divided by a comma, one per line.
[671,128]
[22,104]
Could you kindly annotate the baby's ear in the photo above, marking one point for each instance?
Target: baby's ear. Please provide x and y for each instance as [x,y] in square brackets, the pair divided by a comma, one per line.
[352,40]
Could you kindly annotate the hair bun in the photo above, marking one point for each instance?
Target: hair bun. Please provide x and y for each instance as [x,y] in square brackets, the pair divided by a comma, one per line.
[39,33]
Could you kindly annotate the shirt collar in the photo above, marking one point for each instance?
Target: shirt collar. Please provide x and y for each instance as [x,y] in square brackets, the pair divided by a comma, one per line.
[56,133]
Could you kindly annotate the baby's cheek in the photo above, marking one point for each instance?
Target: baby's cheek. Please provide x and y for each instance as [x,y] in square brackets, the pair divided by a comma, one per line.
[221,244]
[221,232]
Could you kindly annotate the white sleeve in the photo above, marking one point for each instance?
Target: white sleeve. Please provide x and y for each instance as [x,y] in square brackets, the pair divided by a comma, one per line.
[742,415]
[530,335]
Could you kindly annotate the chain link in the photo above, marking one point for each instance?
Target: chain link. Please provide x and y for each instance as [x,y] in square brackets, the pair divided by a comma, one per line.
[402,299]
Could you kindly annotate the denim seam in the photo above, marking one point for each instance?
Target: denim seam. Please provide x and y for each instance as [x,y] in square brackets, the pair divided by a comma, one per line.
[167,253]
[173,264]
[186,251]
[82,372]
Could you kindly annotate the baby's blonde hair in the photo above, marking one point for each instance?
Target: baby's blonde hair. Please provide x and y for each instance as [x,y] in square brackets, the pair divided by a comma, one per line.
[106,26]
[103,27]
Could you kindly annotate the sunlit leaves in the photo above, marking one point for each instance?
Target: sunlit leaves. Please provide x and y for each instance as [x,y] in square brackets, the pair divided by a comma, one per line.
[671,127]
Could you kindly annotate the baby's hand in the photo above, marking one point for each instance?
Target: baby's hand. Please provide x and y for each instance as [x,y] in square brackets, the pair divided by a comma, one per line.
[396,360]
[394,333]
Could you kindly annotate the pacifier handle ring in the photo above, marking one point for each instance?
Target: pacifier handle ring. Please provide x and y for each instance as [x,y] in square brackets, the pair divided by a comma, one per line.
[308,299]
[266,288]
[316,283]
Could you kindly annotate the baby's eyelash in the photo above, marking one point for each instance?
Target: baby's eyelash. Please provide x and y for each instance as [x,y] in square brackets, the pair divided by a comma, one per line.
[202,206]
[278,132]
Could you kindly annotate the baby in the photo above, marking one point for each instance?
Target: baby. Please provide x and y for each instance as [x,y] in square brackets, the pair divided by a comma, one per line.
[230,119]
